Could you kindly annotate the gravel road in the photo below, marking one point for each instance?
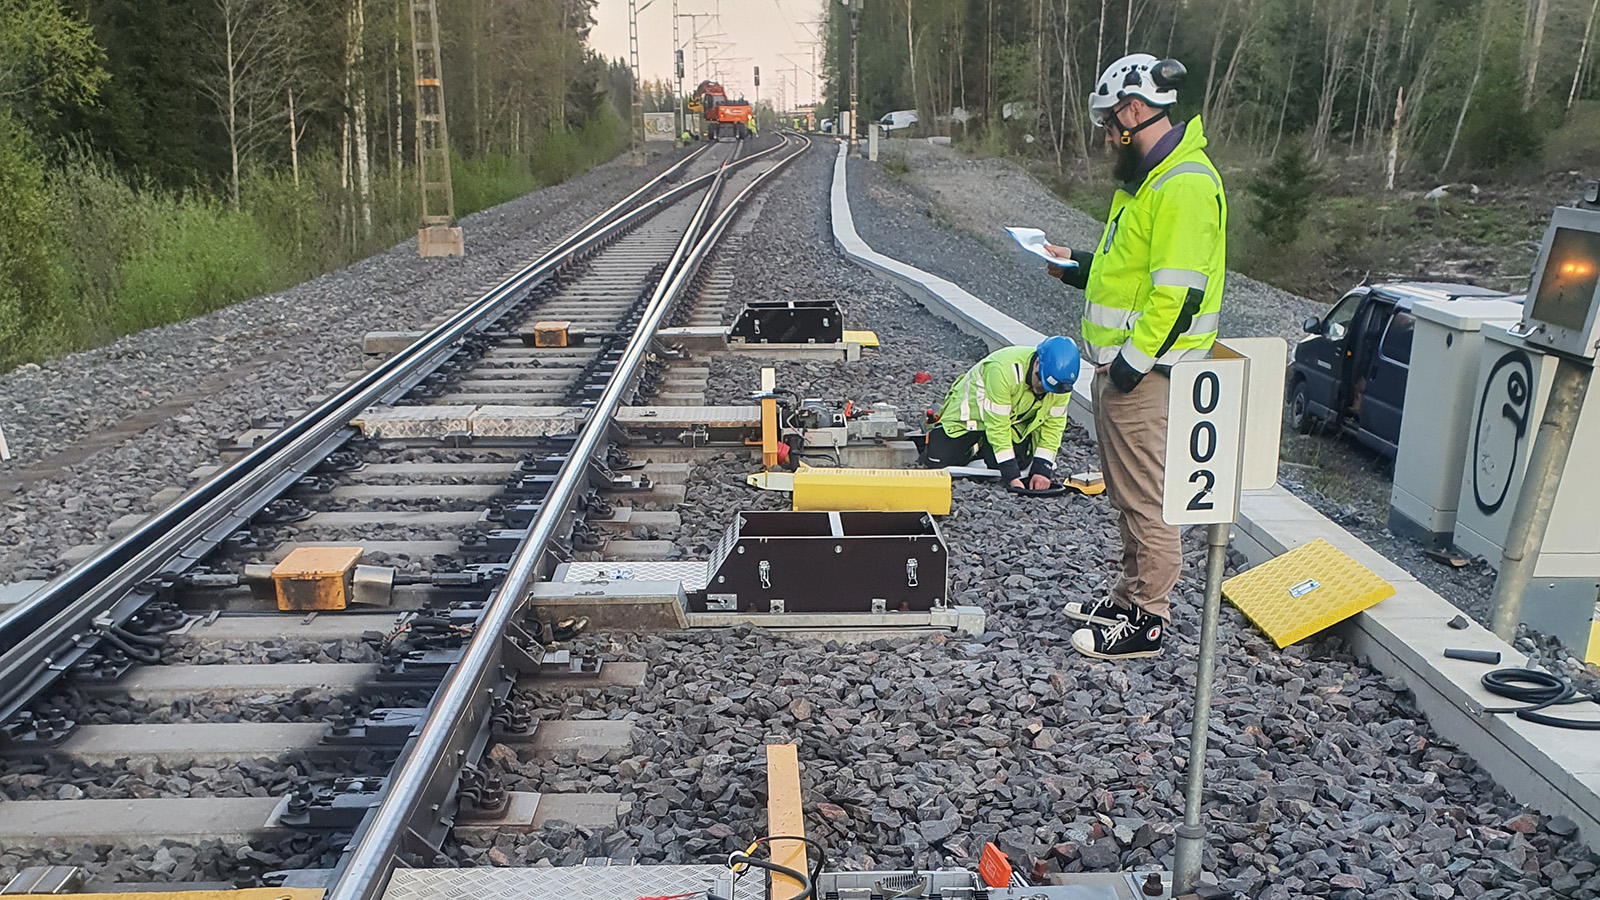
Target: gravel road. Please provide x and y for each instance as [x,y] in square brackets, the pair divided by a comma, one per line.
[97,433]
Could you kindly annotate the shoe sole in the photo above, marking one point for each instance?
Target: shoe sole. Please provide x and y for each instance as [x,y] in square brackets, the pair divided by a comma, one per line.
[1143,654]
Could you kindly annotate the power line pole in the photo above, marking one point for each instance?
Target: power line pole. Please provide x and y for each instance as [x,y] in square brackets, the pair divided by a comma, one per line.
[439,235]
[677,68]
[636,123]
[855,69]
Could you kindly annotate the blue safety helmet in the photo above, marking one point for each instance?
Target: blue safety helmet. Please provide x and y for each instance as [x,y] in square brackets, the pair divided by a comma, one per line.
[1058,363]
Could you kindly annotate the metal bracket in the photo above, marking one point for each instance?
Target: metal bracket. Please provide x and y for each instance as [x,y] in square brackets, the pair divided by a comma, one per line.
[341,807]
[521,652]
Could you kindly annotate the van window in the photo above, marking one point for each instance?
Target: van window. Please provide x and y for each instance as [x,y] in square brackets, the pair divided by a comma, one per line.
[1396,344]
[1337,324]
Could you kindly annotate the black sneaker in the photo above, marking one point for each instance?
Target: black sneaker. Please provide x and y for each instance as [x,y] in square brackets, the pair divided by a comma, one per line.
[1101,612]
[1132,638]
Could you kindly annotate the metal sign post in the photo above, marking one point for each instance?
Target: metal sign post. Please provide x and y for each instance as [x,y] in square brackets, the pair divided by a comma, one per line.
[1215,448]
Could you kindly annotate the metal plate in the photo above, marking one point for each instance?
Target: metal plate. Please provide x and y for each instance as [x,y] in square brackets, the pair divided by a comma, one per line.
[573,883]
[711,416]
[691,573]
[413,421]
[526,421]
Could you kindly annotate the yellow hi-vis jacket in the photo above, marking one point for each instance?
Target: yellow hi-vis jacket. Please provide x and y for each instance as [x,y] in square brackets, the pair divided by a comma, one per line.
[1153,284]
[994,397]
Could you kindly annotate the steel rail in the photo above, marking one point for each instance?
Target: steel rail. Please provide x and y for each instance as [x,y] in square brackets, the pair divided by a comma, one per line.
[436,753]
[41,637]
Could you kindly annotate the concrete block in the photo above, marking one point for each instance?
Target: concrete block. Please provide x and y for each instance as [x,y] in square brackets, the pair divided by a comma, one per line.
[33,823]
[383,343]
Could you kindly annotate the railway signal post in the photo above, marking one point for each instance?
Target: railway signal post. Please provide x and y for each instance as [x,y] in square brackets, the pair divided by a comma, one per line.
[1218,442]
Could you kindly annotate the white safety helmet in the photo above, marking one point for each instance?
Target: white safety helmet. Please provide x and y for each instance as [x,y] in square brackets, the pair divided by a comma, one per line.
[1155,81]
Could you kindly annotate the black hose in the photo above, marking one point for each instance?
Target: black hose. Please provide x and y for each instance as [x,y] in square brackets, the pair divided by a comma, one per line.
[146,655]
[1542,690]
[147,640]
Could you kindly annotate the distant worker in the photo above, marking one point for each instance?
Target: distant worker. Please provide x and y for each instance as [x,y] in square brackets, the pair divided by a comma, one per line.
[1011,410]
[1153,292]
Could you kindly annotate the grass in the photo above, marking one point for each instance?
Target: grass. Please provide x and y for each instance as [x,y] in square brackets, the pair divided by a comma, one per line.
[117,255]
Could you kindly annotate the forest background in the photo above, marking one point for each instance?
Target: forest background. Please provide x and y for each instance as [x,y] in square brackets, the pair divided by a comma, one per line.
[162,158]
[1333,121]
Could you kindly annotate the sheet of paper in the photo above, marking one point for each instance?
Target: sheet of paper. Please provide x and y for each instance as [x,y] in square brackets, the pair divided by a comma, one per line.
[1032,240]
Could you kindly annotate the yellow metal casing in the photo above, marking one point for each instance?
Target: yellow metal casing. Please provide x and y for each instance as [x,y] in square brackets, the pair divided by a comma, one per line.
[864,338]
[769,419]
[1304,591]
[316,578]
[878,490]
[550,334]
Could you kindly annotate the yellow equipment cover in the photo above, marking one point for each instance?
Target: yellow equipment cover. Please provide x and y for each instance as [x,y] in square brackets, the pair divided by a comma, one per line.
[1304,591]
[882,490]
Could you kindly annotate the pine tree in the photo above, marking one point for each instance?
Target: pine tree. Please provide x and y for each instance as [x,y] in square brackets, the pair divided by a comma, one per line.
[1283,195]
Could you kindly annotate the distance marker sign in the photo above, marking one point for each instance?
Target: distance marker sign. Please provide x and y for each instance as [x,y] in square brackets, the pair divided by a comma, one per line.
[1205,427]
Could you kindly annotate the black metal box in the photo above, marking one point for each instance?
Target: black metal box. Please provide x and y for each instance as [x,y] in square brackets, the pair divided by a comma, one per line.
[789,322]
[827,562]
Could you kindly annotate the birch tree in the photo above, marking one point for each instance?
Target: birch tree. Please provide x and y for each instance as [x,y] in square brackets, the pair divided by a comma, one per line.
[252,70]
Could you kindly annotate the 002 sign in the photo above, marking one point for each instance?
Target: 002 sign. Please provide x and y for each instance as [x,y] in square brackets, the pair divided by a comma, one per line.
[1205,416]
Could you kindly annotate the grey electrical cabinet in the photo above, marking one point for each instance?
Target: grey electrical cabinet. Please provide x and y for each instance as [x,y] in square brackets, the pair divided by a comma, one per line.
[1445,350]
[1512,387]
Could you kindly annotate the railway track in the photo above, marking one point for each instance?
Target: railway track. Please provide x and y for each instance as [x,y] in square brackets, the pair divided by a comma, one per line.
[465,466]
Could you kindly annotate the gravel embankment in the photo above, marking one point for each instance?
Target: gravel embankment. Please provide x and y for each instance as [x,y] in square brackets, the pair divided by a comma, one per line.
[948,214]
[1323,780]
[168,395]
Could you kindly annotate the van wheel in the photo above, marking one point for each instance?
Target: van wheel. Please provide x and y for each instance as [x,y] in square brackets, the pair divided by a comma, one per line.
[1300,417]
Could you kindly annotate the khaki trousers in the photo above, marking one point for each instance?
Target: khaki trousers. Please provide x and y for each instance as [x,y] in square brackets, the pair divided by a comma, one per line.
[1132,432]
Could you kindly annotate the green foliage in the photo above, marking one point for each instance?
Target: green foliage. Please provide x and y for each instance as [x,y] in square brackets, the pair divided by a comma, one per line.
[1498,132]
[27,278]
[48,58]
[1283,195]
[200,255]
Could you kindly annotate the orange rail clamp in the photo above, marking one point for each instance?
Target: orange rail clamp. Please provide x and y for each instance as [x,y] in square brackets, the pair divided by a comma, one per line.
[994,868]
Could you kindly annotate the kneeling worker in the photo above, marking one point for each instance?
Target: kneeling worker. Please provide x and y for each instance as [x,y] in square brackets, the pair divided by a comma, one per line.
[1014,399]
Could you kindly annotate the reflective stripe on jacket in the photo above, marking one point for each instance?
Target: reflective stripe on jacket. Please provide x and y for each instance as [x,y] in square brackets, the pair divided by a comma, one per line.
[1154,288]
[994,397]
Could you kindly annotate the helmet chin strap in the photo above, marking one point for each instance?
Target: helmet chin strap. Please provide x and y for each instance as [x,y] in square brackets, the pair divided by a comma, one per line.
[1128,133]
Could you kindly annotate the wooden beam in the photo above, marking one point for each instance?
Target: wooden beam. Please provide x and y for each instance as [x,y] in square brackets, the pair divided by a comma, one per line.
[785,816]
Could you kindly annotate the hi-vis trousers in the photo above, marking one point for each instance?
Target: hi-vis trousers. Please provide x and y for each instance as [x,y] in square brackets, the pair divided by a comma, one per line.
[1132,432]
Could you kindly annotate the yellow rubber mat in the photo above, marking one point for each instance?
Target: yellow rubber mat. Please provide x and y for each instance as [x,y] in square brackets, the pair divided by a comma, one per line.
[1304,591]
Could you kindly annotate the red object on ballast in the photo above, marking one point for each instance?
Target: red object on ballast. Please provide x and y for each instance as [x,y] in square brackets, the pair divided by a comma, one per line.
[994,868]
[783,453]
[921,378]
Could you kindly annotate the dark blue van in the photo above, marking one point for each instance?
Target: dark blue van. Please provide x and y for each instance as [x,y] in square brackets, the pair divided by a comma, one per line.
[1350,370]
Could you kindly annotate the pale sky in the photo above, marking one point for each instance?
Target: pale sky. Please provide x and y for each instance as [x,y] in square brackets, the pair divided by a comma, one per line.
[772,34]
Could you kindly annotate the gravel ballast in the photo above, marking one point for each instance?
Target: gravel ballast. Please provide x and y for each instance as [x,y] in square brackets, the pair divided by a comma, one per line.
[180,389]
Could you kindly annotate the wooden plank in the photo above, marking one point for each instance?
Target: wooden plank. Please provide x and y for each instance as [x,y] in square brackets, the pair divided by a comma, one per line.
[785,816]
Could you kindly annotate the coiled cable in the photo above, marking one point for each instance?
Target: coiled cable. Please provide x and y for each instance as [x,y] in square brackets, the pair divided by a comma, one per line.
[1541,690]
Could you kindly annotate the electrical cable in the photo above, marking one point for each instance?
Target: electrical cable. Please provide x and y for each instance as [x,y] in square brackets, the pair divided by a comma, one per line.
[804,879]
[1541,690]
[148,655]
[822,852]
